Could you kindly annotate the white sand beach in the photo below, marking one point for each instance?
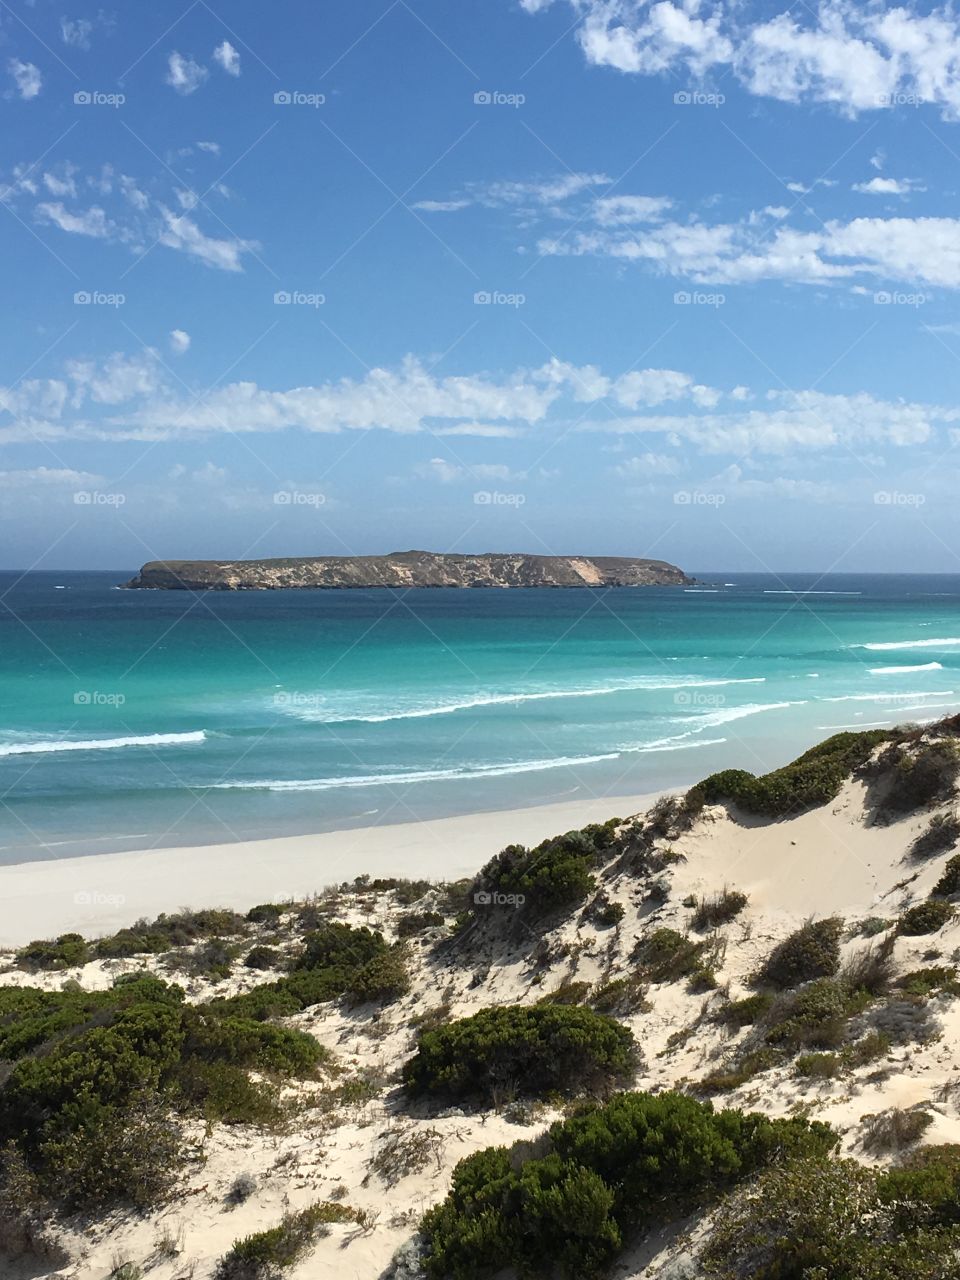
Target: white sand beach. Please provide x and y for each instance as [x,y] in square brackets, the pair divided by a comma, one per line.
[102,893]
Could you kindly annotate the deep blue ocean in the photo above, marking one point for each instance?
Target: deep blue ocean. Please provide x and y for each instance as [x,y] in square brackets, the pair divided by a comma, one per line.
[131,719]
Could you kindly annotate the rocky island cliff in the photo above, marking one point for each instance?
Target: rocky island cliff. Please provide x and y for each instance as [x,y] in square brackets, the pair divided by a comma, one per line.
[408,569]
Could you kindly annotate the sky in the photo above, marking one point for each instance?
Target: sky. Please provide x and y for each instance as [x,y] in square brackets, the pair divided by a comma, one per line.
[558,276]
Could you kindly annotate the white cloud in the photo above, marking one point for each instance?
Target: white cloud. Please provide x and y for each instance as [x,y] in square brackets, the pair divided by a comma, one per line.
[857,57]
[26,77]
[184,75]
[523,197]
[442,206]
[213,148]
[888,187]
[919,251]
[47,476]
[440,469]
[646,465]
[117,380]
[76,33]
[179,341]
[58,186]
[89,222]
[228,58]
[615,211]
[182,233]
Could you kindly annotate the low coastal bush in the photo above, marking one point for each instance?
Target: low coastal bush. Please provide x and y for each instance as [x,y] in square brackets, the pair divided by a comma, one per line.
[723,907]
[825,1218]
[925,917]
[949,882]
[267,1253]
[515,1050]
[812,779]
[384,978]
[812,951]
[894,1129]
[604,1174]
[169,931]
[64,953]
[416,922]
[92,1078]
[665,955]
[554,875]
[931,981]
[920,777]
[943,832]
[261,957]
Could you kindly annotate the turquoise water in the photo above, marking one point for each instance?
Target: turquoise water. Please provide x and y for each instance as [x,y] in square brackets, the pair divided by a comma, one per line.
[137,718]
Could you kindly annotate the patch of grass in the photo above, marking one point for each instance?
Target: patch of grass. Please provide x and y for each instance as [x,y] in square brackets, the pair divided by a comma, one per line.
[720,909]
[894,1129]
[928,982]
[665,955]
[621,996]
[261,1256]
[819,1066]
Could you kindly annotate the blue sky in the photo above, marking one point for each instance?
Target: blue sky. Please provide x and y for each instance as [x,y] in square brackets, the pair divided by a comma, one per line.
[593,276]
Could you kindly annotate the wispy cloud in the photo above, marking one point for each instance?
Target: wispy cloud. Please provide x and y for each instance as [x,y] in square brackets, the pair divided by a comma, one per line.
[26,77]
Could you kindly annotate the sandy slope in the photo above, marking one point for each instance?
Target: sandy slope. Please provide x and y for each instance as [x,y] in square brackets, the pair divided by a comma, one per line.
[827,861]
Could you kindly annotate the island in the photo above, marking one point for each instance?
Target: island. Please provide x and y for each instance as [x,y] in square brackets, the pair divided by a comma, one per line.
[407,569]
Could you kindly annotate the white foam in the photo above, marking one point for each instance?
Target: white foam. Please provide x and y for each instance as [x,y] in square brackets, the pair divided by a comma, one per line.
[639,685]
[416,775]
[883,697]
[725,715]
[101,744]
[896,671]
[943,642]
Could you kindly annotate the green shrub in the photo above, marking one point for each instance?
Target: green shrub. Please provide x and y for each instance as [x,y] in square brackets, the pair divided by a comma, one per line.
[894,1129]
[169,931]
[610,1170]
[818,1218]
[812,779]
[265,913]
[535,1051]
[925,917]
[261,957]
[224,1093]
[407,891]
[815,1016]
[720,909]
[247,1043]
[819,1066]
[812,951]
[261,1256]
[745,1012]
[384,978]
[418,922]
[667,956]
[925,1189]
[921,777]
[949,882]
[943,832]
[554,875]
[621,996]
[66,952]
[926,982]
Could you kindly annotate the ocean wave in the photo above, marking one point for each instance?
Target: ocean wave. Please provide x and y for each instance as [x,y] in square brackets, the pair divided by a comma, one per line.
[882,697]
[320,715]
[679,743]
[941,643]
[466,773]
[896,671]
[101,744]
[786,591]
[726,715]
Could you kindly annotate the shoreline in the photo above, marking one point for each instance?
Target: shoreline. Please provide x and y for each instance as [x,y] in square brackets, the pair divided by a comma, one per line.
[100,893]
